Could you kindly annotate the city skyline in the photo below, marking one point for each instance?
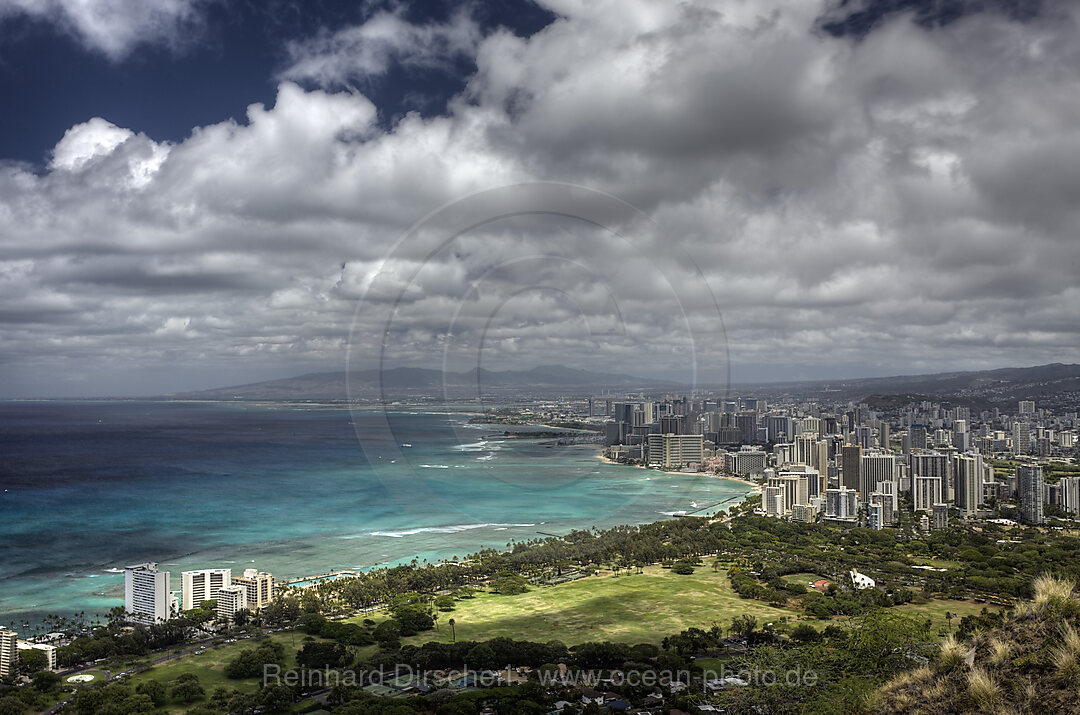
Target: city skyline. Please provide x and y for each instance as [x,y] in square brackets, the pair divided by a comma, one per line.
[196,195]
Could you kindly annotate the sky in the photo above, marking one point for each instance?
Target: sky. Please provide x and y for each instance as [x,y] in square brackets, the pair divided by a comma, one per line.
[199,193]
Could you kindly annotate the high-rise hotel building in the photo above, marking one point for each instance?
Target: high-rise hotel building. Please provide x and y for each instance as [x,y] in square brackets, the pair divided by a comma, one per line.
[9,652]
[146,593]
[1029,482]
[230,601]
[258,586]
[203,585]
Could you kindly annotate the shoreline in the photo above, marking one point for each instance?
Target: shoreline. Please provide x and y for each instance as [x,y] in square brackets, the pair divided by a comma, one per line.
[89,586]
[754,486]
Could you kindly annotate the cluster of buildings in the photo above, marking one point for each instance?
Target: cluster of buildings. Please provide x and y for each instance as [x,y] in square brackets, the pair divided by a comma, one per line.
[11,645]
[148,596]
[853,464]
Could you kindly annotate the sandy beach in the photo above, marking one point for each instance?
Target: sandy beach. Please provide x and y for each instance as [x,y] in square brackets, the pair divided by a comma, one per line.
[754,486]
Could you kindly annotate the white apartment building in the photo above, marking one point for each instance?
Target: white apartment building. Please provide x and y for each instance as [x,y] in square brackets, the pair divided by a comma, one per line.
[146,593]
[230,600]
[9,652]
[203,585]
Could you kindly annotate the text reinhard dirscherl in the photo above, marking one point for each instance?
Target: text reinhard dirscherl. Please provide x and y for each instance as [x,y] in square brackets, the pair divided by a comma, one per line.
[274,674]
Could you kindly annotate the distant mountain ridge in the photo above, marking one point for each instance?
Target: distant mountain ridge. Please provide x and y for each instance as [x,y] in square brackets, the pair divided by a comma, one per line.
[416,381]
[1050,385]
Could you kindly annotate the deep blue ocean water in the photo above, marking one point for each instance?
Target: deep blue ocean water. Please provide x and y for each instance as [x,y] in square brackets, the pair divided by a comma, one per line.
[292,489]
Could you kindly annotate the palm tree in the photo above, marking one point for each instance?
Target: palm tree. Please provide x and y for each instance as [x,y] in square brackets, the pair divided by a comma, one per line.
[453,631]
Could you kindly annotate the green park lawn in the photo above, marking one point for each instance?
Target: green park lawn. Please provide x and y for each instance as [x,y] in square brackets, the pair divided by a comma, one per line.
[804,578]
[636,608]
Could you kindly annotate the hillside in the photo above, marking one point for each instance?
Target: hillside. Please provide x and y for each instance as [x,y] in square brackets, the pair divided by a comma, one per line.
[1050,385]
[1030,663]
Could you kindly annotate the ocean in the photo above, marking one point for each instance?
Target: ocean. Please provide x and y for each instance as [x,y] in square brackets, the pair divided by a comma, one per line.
[294,489]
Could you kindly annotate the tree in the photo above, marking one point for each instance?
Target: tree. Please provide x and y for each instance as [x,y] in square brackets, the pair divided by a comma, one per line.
[187,689]
[743,625]
[388,632]
[482,656]
[444,603]
[805,633]
[276,698]
[509,583]
[312,623]
[33,660]
[46,681]
[250,662]
[154,690]
[323,655]
[453,631]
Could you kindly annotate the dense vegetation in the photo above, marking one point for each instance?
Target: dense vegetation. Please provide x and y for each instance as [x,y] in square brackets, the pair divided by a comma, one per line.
[760,556]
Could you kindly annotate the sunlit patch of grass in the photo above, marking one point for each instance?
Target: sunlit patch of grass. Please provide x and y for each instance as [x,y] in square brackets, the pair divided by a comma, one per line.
[952,653]
[1066,656]
[1051,591]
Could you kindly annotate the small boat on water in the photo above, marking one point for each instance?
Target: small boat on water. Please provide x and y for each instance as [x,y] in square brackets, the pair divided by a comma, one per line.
[405,444]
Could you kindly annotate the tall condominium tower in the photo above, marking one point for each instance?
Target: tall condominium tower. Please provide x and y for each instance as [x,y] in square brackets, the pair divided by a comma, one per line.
[203,585]
[9,652]
[146,593]
[1029,482]
[850,466]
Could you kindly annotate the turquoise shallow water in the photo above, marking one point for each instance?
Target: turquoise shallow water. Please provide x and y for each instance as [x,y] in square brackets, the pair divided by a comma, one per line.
[296,490]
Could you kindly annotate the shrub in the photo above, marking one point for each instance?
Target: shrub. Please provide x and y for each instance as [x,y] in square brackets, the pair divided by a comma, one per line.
[952,653]
[983,689]
[1051,592]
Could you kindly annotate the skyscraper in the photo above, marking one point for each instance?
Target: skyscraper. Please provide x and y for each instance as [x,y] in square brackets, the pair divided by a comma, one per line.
[203,585]
[917,436]
[851,466]
[259,587]
[929,479]
[941,516]
[9,652]
[1030,484]
[672,451]
[1021,438]
[1070,494]
[967,476]
[875,468]
[842,503]
[146,593]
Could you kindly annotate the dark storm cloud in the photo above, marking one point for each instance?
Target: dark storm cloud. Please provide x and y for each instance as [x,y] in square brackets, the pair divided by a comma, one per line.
[902,200]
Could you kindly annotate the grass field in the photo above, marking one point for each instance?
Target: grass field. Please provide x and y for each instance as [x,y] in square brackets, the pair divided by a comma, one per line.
[209,666]
[639,608]
[804,579]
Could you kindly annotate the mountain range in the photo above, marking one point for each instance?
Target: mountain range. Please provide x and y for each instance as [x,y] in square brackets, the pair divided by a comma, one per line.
[406,382]
[1051,385]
